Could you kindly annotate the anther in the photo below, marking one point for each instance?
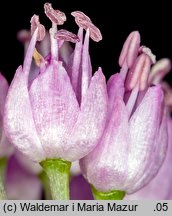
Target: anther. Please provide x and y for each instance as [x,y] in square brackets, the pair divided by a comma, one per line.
[83,21]
[56,16]
[65,35]
[36,24]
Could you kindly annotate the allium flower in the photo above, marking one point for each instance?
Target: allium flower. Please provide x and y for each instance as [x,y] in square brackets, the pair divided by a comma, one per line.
[80,189]
[61,114]
[29,165]
[133,145]
[21,184]
[160,186]
[6,148]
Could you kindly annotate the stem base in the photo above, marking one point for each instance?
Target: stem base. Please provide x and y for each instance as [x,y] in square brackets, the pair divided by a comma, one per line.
[57,171]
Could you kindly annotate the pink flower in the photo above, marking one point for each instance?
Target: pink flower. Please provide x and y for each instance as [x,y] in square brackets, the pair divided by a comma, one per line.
[160,187]
[21,184]
[6,148]
[49,117]
[133,145]
[80,189]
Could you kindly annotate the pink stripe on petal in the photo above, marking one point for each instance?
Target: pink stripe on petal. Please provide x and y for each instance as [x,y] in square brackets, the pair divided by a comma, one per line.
[18,120]
[55,109]
[115,88]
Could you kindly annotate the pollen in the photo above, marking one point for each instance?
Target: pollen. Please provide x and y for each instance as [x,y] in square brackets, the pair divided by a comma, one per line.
[38,58]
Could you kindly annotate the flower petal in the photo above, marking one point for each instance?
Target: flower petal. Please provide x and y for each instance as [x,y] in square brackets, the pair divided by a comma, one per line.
[18,120]
[115,88]
[55,108]
[157,156]
[21,184]
[105,167]
[144,124]
[159,188]
[6,148]
[80,189]
[91,120]
[3,93]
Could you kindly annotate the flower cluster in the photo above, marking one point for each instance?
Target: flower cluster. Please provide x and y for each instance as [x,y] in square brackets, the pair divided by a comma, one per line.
[57,111]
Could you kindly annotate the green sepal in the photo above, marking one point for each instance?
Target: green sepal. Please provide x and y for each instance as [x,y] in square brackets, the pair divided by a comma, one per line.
[110,195]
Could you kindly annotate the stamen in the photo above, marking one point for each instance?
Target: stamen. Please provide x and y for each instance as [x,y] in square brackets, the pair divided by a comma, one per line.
[95,33]
[138,73]
[159,70]
[56,16]
[65,35]
[132,100]
[86,72]
[54,44]
[38,57]
[130,49]
[36,24]
[168,94]
[84,22]
[29,53]
[145,73]
[80,15]
[75,75]
[147,51]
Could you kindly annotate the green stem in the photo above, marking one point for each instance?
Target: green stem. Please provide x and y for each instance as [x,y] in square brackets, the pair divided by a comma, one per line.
[45,183]
[3,163]
[57,171]
[112,195]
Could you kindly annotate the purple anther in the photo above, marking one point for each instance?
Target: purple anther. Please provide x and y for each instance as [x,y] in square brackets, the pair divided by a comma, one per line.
[83,21]
[95,33]
[65,35]
[56,16]
[139,73]
[80,15]
[159,71]
[36,24]
[147,51]
[130,49]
